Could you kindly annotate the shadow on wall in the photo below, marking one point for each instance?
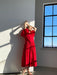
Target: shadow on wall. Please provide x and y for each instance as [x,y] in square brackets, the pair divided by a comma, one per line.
[13,61]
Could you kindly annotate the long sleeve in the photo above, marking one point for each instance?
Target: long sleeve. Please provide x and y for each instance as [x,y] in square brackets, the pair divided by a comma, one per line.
[33,32]
[23,33]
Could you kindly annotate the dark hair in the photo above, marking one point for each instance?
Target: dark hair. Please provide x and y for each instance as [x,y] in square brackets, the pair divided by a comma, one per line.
[27,26]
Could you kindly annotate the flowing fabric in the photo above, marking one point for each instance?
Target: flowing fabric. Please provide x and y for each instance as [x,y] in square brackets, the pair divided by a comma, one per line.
[29,57]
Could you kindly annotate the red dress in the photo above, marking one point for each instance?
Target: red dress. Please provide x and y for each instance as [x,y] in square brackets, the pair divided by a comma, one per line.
[29,51]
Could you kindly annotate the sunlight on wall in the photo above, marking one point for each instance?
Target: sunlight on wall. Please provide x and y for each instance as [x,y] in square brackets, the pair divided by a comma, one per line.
[5,45]
[2,64]
[32,23]
[18,30]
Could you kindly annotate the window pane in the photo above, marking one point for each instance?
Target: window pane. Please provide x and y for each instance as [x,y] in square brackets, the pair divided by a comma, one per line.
[54,31]
[48,10]
[48,21]
[48,31]
[55,20]
[55,9]
[54,41]
[47,41]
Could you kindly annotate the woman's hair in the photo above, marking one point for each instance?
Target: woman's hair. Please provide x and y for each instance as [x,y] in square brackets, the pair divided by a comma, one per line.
[29,26]
[26,21]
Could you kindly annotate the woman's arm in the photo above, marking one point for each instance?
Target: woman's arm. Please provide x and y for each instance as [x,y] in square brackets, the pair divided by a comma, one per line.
[34,28]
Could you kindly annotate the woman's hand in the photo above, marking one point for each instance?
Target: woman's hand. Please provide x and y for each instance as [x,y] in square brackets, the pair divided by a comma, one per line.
[26,24]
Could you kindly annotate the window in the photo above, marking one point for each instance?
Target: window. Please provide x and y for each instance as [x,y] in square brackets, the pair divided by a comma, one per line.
[50,26]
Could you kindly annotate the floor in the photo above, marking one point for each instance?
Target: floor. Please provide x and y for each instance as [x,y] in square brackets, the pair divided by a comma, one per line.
[39,71]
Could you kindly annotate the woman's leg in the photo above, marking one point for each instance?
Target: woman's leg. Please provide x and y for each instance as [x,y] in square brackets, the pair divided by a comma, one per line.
[29,71]
[24,70]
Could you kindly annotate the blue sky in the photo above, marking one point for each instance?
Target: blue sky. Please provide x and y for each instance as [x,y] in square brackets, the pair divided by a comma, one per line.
[49,20]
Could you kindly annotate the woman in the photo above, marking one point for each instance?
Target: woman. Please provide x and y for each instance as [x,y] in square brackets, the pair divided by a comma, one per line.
[29,51]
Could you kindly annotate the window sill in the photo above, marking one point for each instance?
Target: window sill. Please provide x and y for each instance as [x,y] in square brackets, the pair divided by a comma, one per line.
[50,48]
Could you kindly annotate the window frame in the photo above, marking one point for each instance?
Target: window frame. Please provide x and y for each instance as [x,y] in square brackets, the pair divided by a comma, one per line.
[48,4]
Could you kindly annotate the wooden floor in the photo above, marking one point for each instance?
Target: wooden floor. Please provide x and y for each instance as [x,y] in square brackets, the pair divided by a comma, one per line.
[39,71]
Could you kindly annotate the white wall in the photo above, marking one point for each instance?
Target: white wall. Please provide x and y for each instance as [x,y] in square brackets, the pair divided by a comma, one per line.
[46,56]
[12,15]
